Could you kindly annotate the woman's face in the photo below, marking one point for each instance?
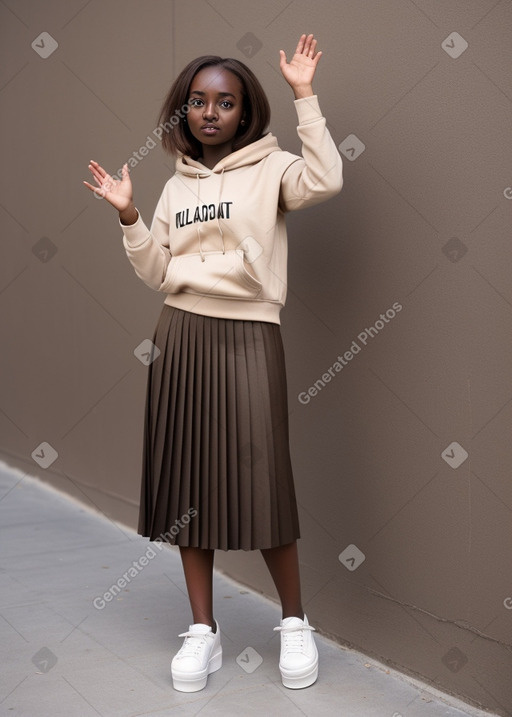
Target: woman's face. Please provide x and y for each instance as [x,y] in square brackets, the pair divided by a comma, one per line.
[215,107]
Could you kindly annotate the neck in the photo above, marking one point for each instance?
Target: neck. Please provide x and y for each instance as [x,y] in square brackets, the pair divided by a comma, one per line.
[213,155]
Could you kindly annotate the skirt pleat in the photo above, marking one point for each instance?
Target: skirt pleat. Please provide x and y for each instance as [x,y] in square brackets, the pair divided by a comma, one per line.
[216,470]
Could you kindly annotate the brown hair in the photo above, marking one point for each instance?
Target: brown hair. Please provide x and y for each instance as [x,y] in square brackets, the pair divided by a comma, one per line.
[177,138]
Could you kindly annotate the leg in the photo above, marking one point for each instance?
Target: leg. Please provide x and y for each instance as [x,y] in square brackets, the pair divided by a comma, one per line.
[201,652]
[298,661]
[283,564]
[198,569]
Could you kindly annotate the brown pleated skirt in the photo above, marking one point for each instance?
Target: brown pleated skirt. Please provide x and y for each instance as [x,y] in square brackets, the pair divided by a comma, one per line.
[216,459]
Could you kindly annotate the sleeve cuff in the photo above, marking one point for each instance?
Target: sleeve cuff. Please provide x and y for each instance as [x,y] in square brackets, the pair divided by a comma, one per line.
[131,225]
[308,109]
[135,234]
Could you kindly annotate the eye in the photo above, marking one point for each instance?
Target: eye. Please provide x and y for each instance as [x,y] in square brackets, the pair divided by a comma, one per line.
[195,102]
[226,104]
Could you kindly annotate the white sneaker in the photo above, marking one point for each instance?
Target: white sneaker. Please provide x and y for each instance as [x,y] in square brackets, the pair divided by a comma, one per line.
[298,662]
[200,654]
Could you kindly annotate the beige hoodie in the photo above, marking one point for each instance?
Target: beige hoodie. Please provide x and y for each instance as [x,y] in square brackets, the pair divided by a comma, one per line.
[217,244]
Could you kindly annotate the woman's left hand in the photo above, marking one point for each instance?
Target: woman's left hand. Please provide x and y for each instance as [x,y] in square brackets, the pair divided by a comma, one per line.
[300,71]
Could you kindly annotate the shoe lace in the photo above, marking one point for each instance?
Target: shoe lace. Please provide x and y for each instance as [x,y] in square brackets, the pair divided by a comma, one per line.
[293,637]
[192,645]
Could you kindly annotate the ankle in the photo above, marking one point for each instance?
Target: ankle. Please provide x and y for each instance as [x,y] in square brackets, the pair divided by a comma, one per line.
[210,622]
[296,613]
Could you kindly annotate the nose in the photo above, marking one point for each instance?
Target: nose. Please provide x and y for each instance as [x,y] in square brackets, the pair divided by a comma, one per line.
[209,111]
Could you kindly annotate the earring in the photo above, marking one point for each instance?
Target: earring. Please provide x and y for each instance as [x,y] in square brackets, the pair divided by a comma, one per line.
[242,122]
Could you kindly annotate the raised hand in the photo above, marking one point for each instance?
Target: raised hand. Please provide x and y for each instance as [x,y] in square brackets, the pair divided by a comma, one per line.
[299,72]
[118,193]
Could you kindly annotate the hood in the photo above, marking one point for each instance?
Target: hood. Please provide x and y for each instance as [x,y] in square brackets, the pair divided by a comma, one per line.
[250,154]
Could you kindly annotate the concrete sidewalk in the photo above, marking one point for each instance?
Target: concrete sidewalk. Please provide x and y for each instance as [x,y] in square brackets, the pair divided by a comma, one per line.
[71,646]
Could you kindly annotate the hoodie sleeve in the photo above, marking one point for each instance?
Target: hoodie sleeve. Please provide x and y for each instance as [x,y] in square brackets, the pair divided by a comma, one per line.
[318,174]
[148,249]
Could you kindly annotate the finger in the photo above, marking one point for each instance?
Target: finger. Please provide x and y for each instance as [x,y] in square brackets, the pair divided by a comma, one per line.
[282,59]
[98,167]
[93,171]
[311,49]
[300,44]
[105,180]
[97,191]
[316,59]
[98,176]
[307,44]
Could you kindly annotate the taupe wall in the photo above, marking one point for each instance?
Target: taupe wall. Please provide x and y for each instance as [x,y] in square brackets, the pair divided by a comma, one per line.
[423,222]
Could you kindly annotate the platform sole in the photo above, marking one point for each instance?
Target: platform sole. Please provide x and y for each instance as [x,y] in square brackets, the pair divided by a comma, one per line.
[195,681]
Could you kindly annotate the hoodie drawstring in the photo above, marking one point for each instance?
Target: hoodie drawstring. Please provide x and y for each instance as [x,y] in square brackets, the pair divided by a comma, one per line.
[198,224]
[218,209]
[198,227]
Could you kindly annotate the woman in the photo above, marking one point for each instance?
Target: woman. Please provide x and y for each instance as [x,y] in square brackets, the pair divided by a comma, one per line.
[216,429]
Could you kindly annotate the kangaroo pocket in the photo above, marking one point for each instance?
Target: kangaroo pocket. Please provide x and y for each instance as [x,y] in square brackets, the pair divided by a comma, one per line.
[220,274]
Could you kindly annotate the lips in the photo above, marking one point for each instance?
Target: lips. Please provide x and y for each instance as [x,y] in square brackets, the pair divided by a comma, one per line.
[210,129]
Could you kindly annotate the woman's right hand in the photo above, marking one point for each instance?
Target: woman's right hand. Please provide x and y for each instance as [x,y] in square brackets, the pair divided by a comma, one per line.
[118,193]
